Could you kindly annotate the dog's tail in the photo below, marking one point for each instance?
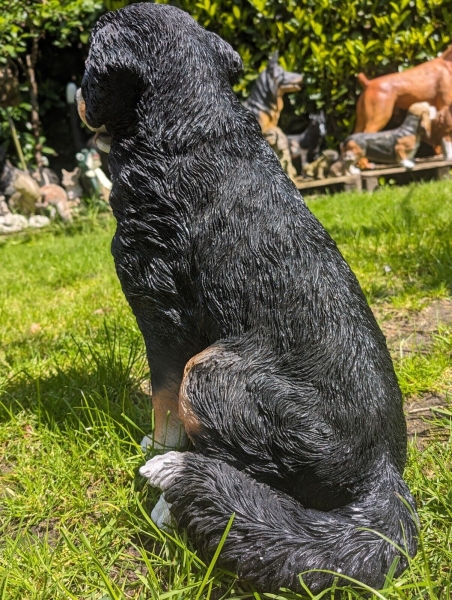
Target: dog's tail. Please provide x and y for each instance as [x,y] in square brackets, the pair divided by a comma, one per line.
[363,81]
[273,538]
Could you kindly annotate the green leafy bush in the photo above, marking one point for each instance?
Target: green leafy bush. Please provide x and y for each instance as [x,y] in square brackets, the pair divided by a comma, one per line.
[330,41]
[24,26]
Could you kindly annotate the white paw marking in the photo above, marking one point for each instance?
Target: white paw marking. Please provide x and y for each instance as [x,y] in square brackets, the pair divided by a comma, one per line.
[148,443]
[162,470]
[447,148]
[161,515]
[408,164]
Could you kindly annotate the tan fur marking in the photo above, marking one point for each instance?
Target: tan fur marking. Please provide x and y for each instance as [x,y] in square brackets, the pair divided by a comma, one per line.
[352,146]
[168,428]
[81,107]
[186,413]
[405,147]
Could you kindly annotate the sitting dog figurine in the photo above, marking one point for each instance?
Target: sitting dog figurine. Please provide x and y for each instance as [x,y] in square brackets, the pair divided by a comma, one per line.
[71,183]
[261,344]
[266,97]
[19,187]
[319,168]
[440,136]
[306,145]
[266,103]
[280,145]
[397,145]
[344,166]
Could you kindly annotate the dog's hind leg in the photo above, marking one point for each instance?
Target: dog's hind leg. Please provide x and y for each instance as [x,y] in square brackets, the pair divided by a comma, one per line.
[273,538]
[218,409]
[373,111]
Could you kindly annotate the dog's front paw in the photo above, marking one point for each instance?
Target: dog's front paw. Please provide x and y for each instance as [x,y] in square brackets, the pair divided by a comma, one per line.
[408,164]
[161,515]
[162,470]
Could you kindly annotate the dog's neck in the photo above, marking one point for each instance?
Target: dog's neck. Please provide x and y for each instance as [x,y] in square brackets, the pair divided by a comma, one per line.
[165,154]
[310,136]
[410,124]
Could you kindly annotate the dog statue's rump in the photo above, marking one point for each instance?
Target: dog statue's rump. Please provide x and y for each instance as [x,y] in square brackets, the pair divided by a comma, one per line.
[254,325]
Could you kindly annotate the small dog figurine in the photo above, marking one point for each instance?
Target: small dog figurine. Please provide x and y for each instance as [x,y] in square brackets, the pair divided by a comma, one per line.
[429,82]
[440,137]
[260,342]
[397,145]
[345,165]
[55,199]
[71,183]
[319,168]
[306,145]
[20,188]
[280,145]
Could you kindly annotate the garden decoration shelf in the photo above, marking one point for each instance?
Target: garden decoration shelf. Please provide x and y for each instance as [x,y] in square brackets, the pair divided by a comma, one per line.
[346,183]
[425,169]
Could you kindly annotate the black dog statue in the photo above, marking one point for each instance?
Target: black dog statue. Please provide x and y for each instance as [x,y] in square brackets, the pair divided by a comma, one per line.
[306,145]
[259,339]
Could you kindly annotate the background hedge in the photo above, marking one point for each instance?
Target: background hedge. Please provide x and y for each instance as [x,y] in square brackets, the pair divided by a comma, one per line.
[330,41]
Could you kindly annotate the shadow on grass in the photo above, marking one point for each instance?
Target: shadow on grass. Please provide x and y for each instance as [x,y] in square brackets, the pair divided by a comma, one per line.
[103,376]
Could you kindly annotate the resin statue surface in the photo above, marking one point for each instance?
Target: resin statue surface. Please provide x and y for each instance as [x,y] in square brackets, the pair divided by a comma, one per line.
[260,342]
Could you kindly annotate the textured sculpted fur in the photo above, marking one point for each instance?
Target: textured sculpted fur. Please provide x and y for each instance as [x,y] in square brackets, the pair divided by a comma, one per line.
[256,330]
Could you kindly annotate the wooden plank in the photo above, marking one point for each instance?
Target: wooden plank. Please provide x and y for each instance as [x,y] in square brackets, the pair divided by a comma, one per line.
[419,166]
[303,184]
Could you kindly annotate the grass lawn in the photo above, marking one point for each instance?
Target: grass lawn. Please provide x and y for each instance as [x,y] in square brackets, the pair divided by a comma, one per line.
[73,511]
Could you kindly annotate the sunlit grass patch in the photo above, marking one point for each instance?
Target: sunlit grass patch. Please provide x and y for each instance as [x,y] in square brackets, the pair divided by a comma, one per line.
[74,513]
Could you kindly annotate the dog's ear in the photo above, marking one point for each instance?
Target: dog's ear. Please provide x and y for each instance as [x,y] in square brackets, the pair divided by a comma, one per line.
[273,61]
[229,58]
[112,83]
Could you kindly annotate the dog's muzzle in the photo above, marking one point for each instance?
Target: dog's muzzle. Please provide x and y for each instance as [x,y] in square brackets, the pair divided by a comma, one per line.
[102,139]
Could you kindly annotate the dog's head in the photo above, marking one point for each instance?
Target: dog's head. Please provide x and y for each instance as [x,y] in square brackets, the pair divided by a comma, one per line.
[138,55]
[283,82]
[350,152]
[319,119]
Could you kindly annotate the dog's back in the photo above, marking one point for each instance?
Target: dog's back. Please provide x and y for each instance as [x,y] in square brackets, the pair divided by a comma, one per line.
[250,316]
